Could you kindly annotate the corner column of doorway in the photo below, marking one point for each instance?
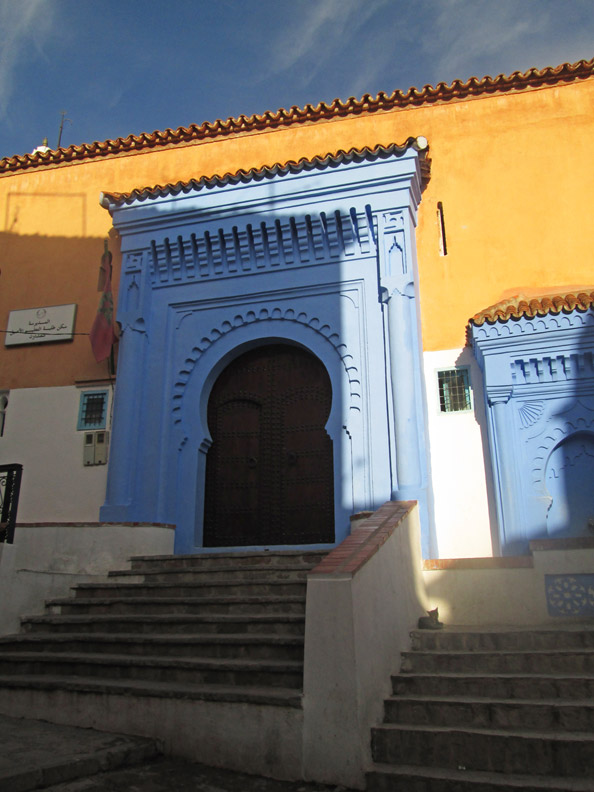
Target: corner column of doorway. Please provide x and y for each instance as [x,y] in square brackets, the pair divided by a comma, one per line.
[119,506]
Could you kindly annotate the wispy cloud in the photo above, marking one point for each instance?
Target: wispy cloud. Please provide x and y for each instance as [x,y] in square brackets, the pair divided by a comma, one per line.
[24,25]
[318,32]
[495,34]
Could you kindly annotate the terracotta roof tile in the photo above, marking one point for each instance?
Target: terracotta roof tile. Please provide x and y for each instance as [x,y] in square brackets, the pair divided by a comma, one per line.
[267,171]
[442,92]
[519,306]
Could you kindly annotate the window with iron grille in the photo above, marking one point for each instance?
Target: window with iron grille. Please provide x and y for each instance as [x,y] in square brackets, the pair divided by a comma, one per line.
[93,410]
[454,390]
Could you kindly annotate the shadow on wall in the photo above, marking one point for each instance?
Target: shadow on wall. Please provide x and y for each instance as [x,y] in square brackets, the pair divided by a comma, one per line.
[40,271]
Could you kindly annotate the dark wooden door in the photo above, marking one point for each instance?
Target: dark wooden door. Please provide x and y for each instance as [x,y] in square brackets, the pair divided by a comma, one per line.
[269,471]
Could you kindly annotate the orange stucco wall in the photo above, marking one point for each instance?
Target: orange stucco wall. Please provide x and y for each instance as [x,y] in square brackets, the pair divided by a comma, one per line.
[512,170]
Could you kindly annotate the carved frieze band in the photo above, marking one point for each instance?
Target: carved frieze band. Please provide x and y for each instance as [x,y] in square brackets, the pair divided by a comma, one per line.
[312,239]
[288,315]
[557,368]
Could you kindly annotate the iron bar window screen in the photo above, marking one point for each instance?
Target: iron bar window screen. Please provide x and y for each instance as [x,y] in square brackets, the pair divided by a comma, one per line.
[454,390]
[93,410]
[10,486]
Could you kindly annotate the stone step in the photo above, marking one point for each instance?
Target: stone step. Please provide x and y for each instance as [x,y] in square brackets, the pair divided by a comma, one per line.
[532,752]
[253,647]
[296,558]
[241,605]
[251,694]
[407,778]
[257,624]
[497,686]
[243,574]
[273,673]
[450,639]
[542,715]
[228,587]
[500,662]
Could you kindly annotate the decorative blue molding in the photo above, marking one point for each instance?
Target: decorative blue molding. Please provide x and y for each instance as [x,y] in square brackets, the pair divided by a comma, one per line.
[323,258]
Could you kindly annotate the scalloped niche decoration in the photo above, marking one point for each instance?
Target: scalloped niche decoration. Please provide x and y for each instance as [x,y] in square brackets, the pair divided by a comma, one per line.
[265,314]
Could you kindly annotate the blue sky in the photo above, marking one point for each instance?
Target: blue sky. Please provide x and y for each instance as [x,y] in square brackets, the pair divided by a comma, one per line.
[129,66]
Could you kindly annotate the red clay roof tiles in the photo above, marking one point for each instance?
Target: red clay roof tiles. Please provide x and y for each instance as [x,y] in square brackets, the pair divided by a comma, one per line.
[256,174]
[519,306]
[442,92]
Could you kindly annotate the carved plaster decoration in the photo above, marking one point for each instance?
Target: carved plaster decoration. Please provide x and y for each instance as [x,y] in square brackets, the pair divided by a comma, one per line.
[530,412]
[133,262]
[498,394]
[396,277]
[557,368]
[265,314]
[553,439]
[224,252]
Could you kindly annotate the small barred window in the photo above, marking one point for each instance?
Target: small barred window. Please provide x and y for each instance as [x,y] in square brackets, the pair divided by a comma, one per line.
[93,410]
[454,390]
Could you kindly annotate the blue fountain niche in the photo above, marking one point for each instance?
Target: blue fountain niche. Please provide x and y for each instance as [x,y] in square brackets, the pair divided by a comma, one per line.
[539,392]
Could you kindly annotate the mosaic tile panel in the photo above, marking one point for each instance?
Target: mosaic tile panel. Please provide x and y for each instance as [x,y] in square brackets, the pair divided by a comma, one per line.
[570,595]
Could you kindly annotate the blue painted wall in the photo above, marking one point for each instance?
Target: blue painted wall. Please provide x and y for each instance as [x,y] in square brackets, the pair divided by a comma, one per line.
[322,257]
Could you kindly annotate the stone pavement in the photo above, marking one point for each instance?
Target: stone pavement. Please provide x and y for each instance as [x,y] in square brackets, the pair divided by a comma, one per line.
[40,755]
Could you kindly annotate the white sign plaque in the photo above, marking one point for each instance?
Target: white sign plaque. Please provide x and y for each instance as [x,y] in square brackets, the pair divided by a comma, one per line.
[39,325]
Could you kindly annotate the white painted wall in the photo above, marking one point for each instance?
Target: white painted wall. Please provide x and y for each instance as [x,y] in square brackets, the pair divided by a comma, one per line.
[40,433]
[502,596]
[356,626]
[459,463]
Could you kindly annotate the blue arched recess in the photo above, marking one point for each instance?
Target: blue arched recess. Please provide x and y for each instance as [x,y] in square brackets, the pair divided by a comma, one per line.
[319,254]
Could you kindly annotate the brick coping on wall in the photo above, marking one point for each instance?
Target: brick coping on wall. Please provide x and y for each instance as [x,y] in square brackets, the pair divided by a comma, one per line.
[365,539]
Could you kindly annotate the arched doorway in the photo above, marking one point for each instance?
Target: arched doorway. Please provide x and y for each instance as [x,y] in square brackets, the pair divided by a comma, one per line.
[269,471]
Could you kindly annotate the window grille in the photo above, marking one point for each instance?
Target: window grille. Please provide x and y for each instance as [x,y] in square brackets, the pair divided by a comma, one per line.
[93,410]
[454,390]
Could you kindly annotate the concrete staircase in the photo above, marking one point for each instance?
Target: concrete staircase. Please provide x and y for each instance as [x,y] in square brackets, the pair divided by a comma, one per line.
[185,649]
[485,711]
[228,627]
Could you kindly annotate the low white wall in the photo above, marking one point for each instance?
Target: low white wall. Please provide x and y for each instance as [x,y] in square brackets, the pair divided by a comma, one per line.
[357,623]
[462,516]
[504,596]
[46,560]
[40,433]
